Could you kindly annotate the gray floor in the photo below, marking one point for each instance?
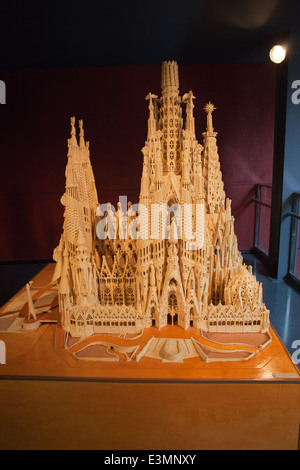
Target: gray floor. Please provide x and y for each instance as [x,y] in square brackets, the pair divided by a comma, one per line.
[283,302]
[281,299]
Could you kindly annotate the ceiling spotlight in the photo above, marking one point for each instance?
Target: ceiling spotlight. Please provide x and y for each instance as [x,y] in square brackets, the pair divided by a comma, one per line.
[277,54]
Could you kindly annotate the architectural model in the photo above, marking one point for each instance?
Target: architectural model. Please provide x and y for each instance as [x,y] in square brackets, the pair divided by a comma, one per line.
[172,259]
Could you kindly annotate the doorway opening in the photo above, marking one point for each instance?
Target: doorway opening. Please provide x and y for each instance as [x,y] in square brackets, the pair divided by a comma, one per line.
[172,310]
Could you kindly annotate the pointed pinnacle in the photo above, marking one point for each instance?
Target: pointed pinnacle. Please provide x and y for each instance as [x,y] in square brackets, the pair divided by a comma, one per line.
[209,108]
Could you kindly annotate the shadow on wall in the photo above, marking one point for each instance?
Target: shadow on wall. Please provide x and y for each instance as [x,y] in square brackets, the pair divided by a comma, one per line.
[32,228]
[19,225]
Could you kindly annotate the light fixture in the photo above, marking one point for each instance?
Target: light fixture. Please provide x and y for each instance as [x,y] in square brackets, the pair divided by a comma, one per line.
[277,54]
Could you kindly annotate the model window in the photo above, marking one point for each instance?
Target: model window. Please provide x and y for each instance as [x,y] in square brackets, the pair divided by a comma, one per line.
[129,296]
[118,296]
[107,296]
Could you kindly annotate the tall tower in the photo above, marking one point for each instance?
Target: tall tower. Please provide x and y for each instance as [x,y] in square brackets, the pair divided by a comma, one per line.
[171,118]
[76,268]
[80,198]
[211,166]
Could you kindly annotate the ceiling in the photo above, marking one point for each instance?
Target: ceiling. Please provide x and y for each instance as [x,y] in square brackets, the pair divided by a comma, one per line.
[134,32]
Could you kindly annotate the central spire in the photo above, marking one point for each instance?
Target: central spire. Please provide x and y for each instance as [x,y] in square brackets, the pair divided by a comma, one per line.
[170,118]
[169,75]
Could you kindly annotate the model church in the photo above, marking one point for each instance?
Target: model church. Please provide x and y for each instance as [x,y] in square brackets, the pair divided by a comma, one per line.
[172,261]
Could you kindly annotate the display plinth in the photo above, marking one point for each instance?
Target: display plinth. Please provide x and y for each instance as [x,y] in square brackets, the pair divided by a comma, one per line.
[52,399]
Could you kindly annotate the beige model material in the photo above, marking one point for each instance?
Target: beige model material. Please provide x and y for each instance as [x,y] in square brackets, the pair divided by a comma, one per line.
[105,351]
[31,309]
[175,259]
[30,324]
[179,349]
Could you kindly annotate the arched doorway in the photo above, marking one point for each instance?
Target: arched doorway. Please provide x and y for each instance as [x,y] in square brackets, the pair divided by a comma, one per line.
[172,310]
[153,316]
[192,316]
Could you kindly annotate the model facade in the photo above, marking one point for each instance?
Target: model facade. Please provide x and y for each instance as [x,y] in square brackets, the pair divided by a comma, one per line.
[174,259]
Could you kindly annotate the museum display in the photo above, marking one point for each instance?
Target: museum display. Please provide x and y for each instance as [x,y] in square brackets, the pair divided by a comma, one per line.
[168,263]
[183,266]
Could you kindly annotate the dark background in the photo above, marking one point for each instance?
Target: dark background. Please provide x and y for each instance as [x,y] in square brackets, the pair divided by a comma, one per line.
[98,60]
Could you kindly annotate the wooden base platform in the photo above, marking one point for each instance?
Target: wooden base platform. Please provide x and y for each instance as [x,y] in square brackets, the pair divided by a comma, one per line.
[50,399]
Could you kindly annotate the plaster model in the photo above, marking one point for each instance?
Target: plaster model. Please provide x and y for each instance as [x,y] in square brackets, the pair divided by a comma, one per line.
[31,309]
[184,271]
[179,349]
[30,323]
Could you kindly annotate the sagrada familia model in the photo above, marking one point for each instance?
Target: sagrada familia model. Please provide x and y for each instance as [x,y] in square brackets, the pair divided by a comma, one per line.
[174,261]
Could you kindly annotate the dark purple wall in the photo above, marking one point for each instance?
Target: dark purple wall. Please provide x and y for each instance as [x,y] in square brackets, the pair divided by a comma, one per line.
[111,101]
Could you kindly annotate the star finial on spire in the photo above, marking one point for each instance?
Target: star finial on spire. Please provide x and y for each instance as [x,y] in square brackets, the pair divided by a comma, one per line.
[209,108]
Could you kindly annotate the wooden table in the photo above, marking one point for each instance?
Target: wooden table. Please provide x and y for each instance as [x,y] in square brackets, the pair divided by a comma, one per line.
[51,400]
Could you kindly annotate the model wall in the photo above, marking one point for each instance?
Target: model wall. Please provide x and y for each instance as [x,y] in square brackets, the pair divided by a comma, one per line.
[35,126]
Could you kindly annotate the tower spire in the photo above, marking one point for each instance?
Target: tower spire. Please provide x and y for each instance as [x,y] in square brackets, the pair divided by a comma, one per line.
[73,140]
[81,134]
[170,117]
[169,76]
[152,118]
[209,109]
[190,120]
[214,186]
